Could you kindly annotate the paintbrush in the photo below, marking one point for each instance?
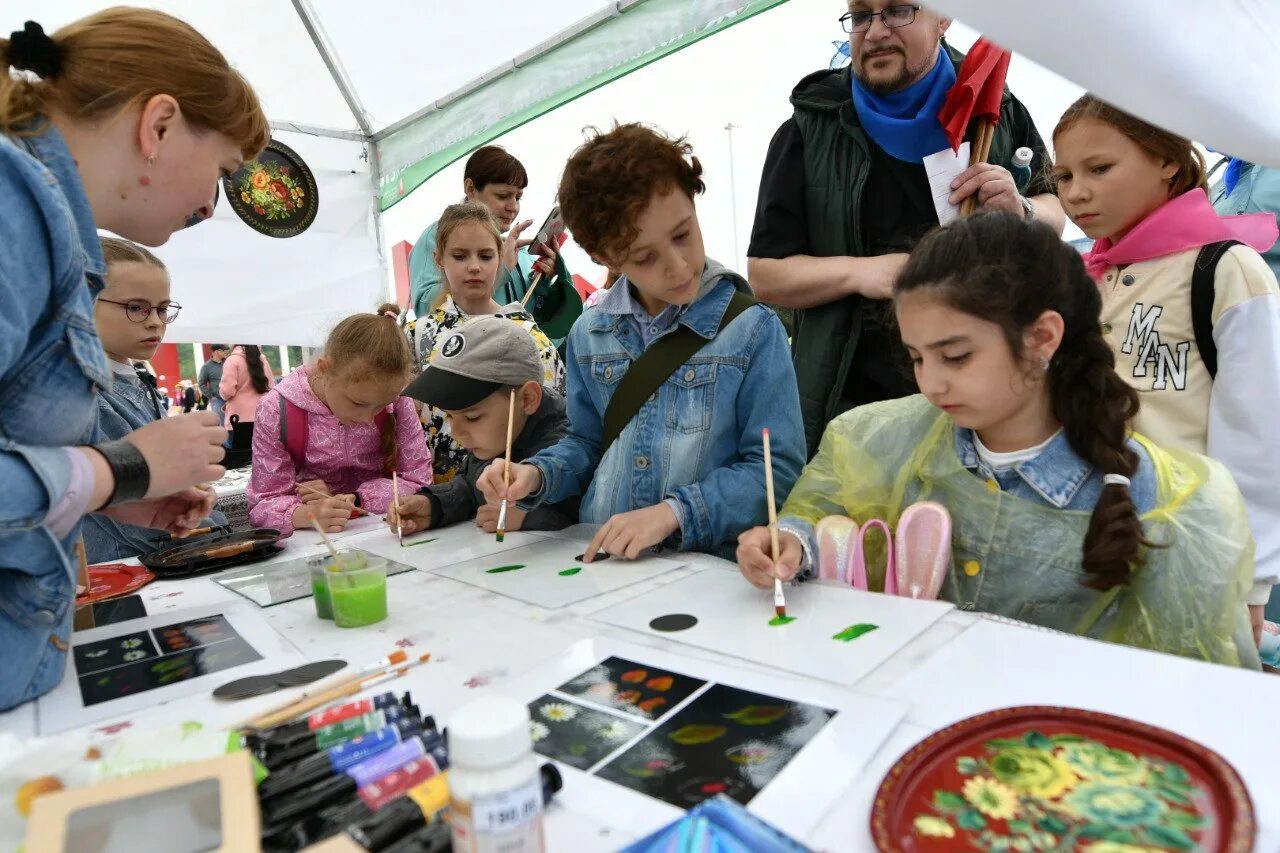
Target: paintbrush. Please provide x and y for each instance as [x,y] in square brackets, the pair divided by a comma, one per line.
[395,496]
[307,704]
[357,510]
[328,544]
[396,658]
[779,601]
[506,466]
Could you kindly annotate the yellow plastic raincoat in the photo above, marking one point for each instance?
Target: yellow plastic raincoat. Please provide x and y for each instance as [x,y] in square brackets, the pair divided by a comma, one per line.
[1021,559]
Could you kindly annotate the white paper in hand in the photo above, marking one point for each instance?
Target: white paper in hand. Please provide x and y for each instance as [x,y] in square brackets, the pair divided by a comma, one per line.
[942,168]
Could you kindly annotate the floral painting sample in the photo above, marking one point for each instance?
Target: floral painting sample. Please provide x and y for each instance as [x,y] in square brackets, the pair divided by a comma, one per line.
[726,741]
[575,734]
[637,689]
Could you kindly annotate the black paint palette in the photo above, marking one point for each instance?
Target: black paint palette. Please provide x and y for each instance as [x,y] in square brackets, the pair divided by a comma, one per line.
[148,659]
[258,685]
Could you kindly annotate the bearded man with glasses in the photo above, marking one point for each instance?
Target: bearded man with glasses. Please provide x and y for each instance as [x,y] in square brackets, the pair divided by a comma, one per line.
[844,197]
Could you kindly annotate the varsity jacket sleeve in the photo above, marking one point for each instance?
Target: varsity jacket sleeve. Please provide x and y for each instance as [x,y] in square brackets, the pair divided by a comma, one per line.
[1244,406]
[272,490]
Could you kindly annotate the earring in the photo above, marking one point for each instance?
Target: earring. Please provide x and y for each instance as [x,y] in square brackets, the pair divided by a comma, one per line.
[145,180]
[1044,364]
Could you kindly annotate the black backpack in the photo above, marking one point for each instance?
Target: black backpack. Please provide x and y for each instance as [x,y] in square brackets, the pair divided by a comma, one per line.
[1202,301]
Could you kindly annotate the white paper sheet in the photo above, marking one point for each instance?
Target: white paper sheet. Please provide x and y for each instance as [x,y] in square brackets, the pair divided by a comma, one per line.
[64,708]
[733,618]
[941,168]
[794,800]
[552,576]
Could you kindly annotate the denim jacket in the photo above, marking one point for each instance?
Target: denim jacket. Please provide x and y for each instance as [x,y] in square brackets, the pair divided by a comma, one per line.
[51,364]
[697,440]
[1058,477]
[124,407]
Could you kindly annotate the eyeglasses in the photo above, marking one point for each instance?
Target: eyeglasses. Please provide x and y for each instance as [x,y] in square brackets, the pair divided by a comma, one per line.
[892,17]
[138,310]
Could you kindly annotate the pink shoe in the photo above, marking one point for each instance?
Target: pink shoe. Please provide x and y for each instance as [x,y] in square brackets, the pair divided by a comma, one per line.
[835,535]
[858,560]
[923,549]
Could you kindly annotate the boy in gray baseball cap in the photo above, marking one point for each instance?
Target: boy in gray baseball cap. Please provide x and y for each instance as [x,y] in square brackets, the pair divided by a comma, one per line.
[479,366]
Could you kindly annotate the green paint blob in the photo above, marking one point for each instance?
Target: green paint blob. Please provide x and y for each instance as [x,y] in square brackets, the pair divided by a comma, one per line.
[500,569]
[853,632]
[781,620]
[419,542]
[570,572]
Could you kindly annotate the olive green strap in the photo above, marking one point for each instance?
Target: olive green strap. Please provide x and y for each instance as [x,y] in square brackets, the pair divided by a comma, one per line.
[651,369]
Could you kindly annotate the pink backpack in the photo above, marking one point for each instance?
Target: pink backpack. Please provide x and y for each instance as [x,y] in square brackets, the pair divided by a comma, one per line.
[294,430]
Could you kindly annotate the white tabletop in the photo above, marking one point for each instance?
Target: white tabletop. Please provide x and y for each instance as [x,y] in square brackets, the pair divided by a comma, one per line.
[960,666]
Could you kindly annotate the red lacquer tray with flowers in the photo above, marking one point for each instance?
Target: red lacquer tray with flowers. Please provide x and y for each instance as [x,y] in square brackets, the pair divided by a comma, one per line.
[1041,778]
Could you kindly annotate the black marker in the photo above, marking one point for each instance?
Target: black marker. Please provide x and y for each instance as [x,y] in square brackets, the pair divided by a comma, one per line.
[406,817]
[289,732]
[276,757]
[279,812]
[315,768]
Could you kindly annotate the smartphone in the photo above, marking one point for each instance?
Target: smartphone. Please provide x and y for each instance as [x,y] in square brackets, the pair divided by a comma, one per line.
[549,233]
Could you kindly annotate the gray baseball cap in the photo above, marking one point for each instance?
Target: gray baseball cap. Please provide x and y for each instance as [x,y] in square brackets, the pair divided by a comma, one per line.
[483,355]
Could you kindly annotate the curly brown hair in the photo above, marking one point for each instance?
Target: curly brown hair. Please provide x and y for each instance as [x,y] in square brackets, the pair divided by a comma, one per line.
[611,178]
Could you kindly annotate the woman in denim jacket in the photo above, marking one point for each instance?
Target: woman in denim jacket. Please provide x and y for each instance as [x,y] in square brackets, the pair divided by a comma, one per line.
[688,469]
[1060,517]
[101,130]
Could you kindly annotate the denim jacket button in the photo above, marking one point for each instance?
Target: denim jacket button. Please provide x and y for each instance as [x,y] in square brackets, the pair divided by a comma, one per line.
[653,396]
[972,568]
[642,462]
[1127,280]
[608,372]
[689,374]
[45,616]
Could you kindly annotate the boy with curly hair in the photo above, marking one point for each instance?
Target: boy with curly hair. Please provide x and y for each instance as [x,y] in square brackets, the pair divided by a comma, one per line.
[677,458]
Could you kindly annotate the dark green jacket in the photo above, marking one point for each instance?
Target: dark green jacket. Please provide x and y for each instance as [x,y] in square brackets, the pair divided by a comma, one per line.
[836,162]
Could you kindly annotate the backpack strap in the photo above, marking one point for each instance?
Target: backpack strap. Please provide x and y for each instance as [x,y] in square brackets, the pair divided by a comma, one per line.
[1202,293]
[293,431]
[654,366]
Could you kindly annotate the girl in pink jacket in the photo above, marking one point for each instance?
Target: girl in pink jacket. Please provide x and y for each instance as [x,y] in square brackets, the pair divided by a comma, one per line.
[246,376]
[328,438]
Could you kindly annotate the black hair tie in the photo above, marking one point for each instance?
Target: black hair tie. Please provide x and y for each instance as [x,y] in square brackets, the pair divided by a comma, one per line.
[30,49]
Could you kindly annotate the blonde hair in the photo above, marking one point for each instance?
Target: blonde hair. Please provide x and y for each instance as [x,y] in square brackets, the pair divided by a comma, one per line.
[123,56]
[117,251]
[1158,143]
[375,342]
[454,216]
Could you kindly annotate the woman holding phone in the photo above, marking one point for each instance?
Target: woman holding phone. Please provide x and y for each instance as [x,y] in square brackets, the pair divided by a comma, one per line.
[497,180]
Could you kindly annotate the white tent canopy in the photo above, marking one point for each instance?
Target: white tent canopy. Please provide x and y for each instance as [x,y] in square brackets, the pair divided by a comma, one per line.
[383,95]
[379,96]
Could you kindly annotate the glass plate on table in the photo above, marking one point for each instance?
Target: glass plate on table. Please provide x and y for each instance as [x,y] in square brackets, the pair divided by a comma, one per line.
[289,580]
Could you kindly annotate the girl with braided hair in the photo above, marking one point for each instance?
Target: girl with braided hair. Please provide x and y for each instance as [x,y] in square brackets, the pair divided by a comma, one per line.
[1061,516]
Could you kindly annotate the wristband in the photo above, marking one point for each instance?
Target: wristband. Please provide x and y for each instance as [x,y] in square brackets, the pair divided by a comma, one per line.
[129,469]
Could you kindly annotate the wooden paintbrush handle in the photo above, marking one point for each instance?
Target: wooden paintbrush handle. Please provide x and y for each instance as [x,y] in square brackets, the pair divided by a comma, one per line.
[229,551]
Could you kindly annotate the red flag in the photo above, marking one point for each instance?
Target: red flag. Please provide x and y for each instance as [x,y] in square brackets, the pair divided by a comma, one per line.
[977,91]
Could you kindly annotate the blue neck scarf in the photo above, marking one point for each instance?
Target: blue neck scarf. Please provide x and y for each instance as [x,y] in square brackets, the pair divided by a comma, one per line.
[1235,168]
[905,124]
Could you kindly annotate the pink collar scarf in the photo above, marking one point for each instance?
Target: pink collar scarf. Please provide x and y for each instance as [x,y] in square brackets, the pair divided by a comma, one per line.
[1186,222]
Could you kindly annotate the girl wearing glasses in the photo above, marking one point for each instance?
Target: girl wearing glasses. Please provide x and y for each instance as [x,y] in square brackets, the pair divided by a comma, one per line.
[131,316]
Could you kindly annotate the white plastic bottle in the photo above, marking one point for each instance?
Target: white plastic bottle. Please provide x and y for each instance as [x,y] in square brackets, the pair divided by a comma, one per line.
[494,784]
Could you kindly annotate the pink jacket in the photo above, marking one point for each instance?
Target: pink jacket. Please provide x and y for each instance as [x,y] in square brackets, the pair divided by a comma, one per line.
[237,389]
[348,458]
